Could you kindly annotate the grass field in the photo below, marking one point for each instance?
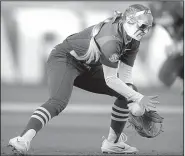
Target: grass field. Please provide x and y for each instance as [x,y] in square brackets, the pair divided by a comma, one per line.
[80,132]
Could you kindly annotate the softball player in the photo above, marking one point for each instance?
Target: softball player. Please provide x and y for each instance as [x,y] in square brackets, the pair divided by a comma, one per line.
[90,60]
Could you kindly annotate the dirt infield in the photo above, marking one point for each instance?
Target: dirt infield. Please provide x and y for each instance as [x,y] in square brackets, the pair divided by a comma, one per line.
[81,133]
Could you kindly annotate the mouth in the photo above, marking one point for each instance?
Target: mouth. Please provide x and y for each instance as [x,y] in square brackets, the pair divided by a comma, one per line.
[140,34]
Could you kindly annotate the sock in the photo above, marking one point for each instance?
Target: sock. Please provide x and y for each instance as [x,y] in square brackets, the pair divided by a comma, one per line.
[29,135]
[112,135]
[41,116]
[119,118]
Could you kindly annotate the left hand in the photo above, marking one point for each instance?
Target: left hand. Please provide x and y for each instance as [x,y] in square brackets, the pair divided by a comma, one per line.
[148,102]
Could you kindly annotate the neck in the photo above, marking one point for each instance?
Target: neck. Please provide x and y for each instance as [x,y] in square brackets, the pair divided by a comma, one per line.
[129,38]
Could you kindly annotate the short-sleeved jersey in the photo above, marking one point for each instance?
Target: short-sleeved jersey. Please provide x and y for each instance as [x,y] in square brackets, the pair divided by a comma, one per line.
[116,45]
[112,41]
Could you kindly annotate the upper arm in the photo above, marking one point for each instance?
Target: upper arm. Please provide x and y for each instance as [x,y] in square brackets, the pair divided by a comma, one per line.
[110,51]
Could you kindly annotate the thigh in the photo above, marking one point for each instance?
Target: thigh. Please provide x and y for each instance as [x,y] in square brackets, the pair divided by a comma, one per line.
[94,81]
[61,77]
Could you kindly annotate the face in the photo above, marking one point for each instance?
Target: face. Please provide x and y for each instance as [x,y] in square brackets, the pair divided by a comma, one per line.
[139,28]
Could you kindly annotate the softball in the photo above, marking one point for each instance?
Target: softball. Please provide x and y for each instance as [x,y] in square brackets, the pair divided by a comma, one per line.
[136,109]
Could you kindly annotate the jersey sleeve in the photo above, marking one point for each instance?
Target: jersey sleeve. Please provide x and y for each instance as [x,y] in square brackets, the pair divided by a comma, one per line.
[130,54]
[110,53]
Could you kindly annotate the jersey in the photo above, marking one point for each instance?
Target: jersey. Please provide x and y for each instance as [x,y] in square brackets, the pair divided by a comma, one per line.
[116,45]
[112,41]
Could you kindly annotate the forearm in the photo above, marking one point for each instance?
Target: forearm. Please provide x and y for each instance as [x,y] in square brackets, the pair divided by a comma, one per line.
[111,79]
[125,73]
[119,86]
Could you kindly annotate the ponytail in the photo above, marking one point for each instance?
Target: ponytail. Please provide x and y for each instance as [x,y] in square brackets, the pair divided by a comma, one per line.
[93,52]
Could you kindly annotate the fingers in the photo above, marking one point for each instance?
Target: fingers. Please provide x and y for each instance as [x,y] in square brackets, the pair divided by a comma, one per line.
[147,109]
[153,97]
[154,102]
[151,105]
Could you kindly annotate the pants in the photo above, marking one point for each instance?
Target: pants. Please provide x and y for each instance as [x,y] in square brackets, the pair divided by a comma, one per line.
[66,72]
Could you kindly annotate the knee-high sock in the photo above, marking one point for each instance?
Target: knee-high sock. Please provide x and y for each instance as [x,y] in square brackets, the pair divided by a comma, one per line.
[41,116]
[119,118]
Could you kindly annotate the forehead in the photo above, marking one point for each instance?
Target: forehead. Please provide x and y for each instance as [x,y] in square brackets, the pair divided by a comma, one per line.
[145,19]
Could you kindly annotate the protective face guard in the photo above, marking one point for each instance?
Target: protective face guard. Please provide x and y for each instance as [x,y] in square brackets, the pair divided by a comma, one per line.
[143,27]
[144,22]
[140,23]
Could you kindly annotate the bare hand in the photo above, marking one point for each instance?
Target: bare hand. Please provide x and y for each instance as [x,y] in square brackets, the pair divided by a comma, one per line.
[149,102]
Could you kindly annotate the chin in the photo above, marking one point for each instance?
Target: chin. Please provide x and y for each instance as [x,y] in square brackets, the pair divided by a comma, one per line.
[137,38]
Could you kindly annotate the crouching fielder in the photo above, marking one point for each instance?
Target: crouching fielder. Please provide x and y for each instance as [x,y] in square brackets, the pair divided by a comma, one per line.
[90,60]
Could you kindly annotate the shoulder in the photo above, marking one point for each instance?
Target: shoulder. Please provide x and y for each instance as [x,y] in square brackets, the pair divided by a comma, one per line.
[109,41]
[110,47]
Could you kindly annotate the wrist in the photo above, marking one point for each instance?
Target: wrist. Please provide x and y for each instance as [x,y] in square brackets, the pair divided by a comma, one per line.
[140,96]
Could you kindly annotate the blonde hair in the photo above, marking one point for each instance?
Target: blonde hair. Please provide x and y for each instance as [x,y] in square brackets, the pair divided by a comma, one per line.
[93,52]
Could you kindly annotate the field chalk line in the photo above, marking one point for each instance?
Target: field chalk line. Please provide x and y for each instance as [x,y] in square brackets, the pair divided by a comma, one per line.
[79,108]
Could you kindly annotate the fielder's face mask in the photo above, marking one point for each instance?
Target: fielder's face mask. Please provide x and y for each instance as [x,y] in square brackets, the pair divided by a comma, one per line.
[139,24]
[144,21]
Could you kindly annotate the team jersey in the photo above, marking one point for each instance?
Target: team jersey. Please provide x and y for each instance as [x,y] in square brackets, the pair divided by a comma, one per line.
[113,42]
[116,45]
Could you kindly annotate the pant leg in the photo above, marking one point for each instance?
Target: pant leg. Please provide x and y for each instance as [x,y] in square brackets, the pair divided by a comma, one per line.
[94,81]
[61,76]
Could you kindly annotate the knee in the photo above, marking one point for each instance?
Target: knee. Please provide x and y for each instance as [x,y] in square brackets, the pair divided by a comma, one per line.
[121,100]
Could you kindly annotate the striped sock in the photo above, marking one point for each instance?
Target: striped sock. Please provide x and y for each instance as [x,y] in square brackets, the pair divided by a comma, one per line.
[41,116]
[38,120]
[119,118]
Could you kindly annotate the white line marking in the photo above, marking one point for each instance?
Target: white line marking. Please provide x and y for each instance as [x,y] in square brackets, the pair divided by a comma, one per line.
[79,108]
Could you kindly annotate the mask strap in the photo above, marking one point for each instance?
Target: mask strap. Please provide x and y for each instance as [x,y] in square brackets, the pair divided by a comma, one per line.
[117,16]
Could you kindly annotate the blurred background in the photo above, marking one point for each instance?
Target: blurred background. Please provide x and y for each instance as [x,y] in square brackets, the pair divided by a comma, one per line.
[30,29]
